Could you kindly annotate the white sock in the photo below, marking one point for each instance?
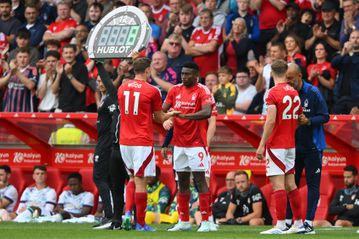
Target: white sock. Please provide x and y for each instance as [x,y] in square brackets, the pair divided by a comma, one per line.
[310,223]
[298,223]
[280,224]
[288,221]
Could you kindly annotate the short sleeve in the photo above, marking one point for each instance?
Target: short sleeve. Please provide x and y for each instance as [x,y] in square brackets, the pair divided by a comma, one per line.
[51,196]
[206,96]
[156,100]
[271,100]
[11,194]
[218,36]
[62,198]
[257,196]
[88,200]
[51,27]
[82,75]
[169,98]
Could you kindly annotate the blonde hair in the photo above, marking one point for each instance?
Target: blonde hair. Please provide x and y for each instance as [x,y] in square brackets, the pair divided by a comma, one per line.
[230,36]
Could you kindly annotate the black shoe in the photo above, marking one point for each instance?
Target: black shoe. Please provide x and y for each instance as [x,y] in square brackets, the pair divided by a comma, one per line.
[287,227]
[104,223]
[115,225]
[308,228]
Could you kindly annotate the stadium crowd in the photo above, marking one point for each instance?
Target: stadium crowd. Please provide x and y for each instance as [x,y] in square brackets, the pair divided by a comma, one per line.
[45,67]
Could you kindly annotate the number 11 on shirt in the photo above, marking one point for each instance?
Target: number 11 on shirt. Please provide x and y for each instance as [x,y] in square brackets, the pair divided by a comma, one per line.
[127,95]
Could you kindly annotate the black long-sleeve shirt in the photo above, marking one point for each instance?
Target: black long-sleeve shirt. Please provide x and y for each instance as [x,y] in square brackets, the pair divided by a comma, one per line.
[344,197]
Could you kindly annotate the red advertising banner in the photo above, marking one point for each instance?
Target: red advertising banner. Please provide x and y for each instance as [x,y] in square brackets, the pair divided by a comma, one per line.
[74,159]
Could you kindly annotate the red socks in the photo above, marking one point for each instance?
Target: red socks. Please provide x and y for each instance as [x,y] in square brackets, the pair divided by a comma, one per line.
[141,204]
[130,196]
[210,204]
[204,202]
[183,206]
[280,198]
[295,204]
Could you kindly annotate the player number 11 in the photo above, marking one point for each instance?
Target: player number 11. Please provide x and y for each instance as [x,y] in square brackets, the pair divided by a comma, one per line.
[127,93]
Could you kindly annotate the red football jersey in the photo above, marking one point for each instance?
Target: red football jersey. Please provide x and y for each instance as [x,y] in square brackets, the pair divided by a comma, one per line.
[138,100]
[62,25]
[160,14]
[287,102]
[208,62]
[320,67]
[189,133]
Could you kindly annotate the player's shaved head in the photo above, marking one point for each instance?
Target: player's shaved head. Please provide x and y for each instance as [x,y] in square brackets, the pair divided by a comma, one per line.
[294,76]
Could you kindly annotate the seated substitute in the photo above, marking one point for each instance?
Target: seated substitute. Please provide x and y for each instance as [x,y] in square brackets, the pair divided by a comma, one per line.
[220,206]
[158,198]
[345,204]
[37,200]
[8,194]
[74,202]
[248,205]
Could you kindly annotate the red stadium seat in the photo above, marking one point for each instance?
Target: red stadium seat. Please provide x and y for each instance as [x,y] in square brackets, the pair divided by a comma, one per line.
[326,193]
[55,180]
[89,185]
[17,179]
[168,178]
[267,192]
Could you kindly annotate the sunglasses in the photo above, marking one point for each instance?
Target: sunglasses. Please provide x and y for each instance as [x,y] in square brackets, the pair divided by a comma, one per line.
[175,43]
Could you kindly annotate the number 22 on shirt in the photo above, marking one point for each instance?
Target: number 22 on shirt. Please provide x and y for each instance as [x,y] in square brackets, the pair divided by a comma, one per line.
[136,96]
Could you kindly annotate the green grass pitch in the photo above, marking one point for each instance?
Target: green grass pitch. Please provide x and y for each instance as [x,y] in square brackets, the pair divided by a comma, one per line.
[10,230]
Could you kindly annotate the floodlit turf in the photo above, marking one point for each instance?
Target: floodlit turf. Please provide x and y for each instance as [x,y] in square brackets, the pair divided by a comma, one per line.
[69,231]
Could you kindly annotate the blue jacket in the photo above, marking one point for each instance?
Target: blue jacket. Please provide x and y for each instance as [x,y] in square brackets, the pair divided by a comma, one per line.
[311,137]
[252,24]
[347,65]
[37,32]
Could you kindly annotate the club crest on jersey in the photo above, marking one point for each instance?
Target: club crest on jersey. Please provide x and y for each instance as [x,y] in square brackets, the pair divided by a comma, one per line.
[305,106]
[112,108]
[178,97]
[194,96]
[178,104]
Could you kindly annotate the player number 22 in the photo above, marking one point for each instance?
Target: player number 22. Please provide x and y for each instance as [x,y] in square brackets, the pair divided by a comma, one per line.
[126,93]
[288,99]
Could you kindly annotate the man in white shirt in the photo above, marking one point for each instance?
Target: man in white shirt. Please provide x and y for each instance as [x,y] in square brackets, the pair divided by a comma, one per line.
[73,201]
[246,91]
[38,199]
[8,194]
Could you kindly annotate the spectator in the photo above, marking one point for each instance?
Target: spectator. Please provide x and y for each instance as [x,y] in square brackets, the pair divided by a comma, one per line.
[38,200]
[321,73]
[345,204]
[68,135]
[95,14]
[9,25]
[23,42]
[253,74]
[47,11]
[49,101]
[292,46]
[18,10]
[73,201]
[153,44]
[175,54]
[252,23]
[209,38]
[184,28]
[20,80]
[81,34]
[237,48]
[226,93]
[246,91]
[327,31]
[271,12]
[160,11]
[292,24]
[211,81]
[71,82]
[8,194]
[350,21]
[162,76]
[218,16]
[221,204]
[158,198]
[247,205]
[80,7]
[172,18]
[32,24]
[346,89]
[64,28]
